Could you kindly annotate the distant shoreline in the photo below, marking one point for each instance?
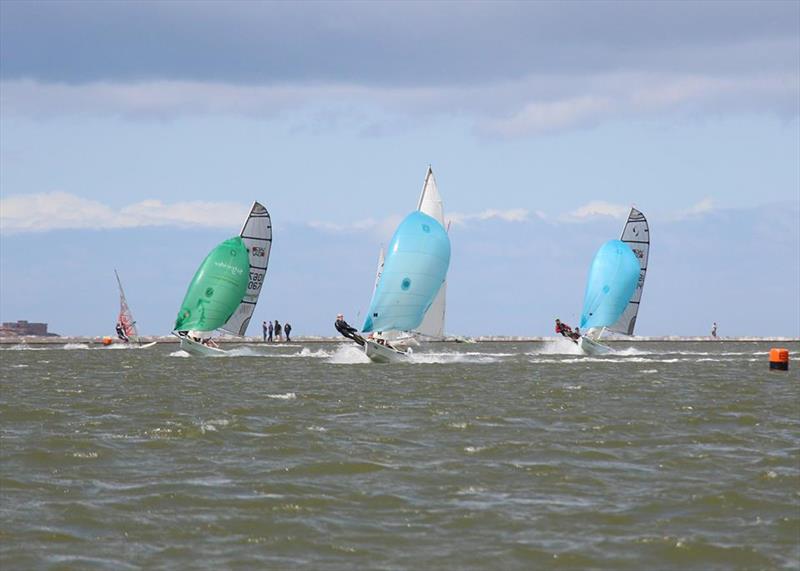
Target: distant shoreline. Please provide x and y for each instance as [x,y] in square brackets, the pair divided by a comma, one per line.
[35,340]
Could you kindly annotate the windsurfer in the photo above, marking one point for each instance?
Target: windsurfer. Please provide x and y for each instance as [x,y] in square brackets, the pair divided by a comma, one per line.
[121,333]
[348,330]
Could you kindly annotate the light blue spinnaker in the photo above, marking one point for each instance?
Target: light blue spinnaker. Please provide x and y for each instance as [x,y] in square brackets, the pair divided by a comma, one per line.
[413,272]
[612,280]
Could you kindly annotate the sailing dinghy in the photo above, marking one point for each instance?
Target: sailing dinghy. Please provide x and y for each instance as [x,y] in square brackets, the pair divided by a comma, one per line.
[410,276]
[224,291]
[126,322]
[614,288]
[432,326]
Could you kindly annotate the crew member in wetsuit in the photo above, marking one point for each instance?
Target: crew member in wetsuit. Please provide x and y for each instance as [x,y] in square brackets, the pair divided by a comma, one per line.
[566,330]
[121,333]
[348,330]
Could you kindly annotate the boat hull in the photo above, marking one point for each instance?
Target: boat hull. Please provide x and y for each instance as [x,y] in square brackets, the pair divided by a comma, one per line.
[200,350]
[590,347]
[382,354]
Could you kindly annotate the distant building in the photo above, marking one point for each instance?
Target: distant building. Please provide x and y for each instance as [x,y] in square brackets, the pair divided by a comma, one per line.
[23,328]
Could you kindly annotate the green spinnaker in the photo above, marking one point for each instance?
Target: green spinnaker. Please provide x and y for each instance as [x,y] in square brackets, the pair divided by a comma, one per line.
[217,288]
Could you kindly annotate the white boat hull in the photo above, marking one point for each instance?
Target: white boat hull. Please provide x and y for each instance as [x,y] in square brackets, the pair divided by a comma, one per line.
[200,350]
[382,354]
[590,347]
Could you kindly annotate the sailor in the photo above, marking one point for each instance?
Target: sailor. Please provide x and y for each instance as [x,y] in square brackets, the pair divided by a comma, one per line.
[563,328]
[121,333]
[348,330]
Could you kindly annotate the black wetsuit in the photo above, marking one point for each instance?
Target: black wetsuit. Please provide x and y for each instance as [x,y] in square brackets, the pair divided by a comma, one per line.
[121,333]
[348,331]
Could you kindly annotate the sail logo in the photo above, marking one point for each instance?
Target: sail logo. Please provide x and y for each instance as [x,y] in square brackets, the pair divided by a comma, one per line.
[258,251]
[234,270]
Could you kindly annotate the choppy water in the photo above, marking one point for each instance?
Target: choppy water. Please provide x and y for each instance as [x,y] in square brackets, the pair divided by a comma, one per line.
[488,456]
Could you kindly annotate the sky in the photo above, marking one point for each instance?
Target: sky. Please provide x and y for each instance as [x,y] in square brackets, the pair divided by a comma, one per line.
[136,135]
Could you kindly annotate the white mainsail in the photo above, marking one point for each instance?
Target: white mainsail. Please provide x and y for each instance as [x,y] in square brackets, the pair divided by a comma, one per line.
[125,317]
[430,202]
[257,237]
[379,270]
[635,234]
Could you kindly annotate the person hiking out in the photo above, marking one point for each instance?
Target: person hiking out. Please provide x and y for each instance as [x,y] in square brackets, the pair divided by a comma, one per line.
[566,330]
[348,330]
[287,328]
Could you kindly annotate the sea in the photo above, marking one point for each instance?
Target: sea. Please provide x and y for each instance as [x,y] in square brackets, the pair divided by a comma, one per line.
[672,455]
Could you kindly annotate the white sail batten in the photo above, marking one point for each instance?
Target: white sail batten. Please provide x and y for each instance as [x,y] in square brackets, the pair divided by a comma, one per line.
[635,234]
[257,237]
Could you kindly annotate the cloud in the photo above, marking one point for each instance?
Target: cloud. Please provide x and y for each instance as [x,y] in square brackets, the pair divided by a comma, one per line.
[311,42]
[512,215]
[530,105]
[63,211]
[594,209]
[703,207]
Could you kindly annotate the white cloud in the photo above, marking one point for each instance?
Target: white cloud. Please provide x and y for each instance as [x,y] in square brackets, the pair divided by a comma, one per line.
[543,117]
[512,215]
[531,105]
[62,211]
[704,206]
[595,209]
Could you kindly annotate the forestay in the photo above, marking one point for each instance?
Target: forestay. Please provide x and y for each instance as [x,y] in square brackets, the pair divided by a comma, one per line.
[256,235]
[636,235]
[413,272]
[612,279]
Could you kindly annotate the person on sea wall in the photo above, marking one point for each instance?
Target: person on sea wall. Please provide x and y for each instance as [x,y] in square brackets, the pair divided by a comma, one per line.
[278,331]
[347,330]
[714,330]
[264,330]
[287,328]
[121,333]
[269,332]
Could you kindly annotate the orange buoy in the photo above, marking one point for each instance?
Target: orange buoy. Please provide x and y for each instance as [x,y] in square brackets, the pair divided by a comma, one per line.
[107,341]
[779,359]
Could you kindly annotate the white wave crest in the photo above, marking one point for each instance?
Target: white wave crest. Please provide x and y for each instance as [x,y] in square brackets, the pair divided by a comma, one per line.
[284,396]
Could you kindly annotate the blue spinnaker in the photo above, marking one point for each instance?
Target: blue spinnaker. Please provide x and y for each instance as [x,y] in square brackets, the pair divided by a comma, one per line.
[612,281]
[413,272]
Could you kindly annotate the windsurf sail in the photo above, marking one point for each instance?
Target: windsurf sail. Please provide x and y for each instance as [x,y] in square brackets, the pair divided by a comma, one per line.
[636,234]
[430,202]
[125,317]
[414,270]
[613,276]
[256,235]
